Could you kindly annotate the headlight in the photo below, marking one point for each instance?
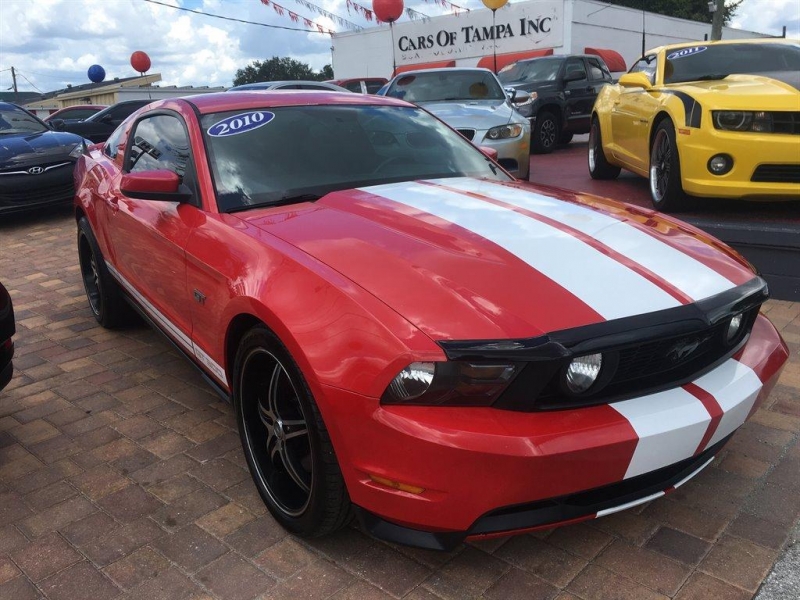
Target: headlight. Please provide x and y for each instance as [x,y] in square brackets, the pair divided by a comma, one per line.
[734,326]
[504,132]
[452,383]
[78,150]
[582,372]
[742,120]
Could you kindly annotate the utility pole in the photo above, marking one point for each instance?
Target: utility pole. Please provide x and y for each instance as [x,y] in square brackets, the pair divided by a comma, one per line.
[14,79]
[717,19]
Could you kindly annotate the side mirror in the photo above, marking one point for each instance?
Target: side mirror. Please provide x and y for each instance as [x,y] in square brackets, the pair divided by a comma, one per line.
[574,76]
[638,79]
[155,185]
[57,124]
[511,93]
[490,152]
[521,98]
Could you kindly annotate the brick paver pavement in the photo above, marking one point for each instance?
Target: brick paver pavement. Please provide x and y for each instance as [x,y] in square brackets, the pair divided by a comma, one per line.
[121,475]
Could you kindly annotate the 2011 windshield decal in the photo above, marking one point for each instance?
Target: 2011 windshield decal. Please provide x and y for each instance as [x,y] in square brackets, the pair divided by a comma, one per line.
[241,123]
[684,52]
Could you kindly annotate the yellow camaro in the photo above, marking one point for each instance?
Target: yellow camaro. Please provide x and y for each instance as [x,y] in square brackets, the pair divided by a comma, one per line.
[714,119]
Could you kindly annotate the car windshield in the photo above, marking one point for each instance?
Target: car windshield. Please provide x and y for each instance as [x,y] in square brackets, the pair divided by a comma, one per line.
[709,62]
[438,86]
[263,157]
[543,69]
[18,121]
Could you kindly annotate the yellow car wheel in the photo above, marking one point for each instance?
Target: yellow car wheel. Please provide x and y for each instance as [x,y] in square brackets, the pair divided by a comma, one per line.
[666,190]
[599,167]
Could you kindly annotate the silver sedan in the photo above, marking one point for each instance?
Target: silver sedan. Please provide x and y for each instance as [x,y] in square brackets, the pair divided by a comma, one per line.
[473,102]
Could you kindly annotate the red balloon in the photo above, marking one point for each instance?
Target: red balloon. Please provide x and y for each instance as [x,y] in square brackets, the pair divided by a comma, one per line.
[387,11]
[140,61]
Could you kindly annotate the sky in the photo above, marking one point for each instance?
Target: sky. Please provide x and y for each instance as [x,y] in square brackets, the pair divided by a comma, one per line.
[52,43]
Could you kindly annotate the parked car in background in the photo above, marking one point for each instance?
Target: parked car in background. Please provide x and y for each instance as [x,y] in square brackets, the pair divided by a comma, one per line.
[7,330]
[288,85]
[36,163]
[100,125]
[409,334]
[563,90]
[472,102]
[367,85]
[73,114]
[707,119]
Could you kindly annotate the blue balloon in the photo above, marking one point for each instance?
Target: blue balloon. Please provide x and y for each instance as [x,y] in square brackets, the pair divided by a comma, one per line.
[96,73]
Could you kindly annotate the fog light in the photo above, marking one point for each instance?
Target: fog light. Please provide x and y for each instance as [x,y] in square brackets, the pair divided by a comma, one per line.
[733,328]
[720,164]
[582,372]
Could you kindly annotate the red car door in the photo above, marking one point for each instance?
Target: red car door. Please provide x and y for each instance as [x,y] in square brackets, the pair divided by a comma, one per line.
[148,237]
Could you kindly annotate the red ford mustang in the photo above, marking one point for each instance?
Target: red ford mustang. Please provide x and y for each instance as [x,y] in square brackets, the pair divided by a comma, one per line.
[408,334]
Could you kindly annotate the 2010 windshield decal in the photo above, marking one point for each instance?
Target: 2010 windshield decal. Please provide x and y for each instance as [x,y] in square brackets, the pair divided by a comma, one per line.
[241,123]
[684,52]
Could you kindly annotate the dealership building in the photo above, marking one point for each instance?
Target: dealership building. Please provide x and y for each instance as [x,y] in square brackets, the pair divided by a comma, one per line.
[520,30]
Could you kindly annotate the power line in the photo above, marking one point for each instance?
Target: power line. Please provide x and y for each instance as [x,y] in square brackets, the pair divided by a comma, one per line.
[205,14]
[29,81]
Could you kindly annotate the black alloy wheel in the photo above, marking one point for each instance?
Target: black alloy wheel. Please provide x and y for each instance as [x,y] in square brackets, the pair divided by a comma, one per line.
[102,291]
[546,133]
[666,190]
[285,442]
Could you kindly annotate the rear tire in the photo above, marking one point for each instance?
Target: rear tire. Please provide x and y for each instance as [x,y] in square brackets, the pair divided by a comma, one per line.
[599,167]
[546,133]
[285,442]
[666,190]
[102,291]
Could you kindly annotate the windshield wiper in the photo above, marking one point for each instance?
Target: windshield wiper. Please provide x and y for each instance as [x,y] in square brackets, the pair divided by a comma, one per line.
[296,199]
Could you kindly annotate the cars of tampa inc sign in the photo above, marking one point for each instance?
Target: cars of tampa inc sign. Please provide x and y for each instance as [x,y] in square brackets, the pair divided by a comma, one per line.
[518,27]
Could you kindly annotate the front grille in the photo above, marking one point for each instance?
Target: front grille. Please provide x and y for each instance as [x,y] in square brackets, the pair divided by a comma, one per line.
[467,133]
[785,122]
[47,167]
[22,197]
[777,174]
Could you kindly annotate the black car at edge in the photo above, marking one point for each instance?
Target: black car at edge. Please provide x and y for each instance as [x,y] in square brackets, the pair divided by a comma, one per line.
[7,330]
[102,124]
[563,90]
[36,163]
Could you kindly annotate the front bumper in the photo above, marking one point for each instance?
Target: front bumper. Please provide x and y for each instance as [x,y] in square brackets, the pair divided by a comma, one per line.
[749,152]
[476,464]
[20,193]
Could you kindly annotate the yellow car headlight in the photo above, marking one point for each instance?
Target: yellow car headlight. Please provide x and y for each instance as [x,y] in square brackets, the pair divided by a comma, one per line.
[742,120]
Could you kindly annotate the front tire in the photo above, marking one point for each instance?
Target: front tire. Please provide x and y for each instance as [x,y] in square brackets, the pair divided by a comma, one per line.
[102,291]
[286,444]
[546,133]
[599,167]
[666,190]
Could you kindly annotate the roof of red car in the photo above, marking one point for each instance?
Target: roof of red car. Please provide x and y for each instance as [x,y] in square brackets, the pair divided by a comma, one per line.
[225,101]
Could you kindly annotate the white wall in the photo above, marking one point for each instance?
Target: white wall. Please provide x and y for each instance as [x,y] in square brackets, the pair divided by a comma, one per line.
[585,23]
[601,25]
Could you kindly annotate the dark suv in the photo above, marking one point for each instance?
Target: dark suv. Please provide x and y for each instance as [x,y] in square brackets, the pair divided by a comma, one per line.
[563,90]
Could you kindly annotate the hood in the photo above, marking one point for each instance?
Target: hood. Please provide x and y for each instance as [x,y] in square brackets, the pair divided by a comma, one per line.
[534,86]
[466,259]
[25,149]
[471,114]
[767,91]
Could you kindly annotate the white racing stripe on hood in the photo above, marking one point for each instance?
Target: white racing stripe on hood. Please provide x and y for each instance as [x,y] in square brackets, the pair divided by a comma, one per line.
[611,289]
[680,270]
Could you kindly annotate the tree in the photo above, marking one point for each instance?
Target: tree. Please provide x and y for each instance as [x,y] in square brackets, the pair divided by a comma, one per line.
[694,10]
[279,69]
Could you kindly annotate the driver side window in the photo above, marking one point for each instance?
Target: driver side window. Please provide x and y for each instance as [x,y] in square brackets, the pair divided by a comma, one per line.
[159,142]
